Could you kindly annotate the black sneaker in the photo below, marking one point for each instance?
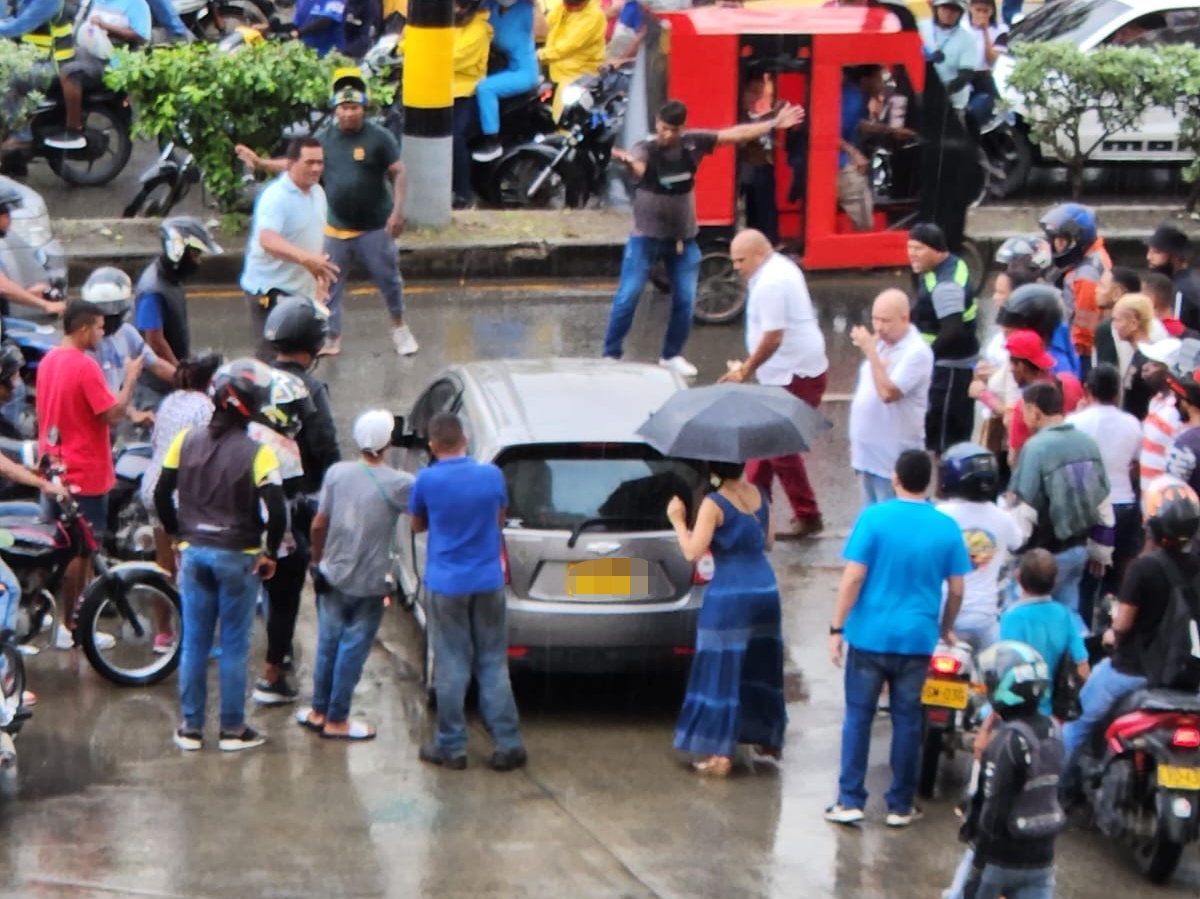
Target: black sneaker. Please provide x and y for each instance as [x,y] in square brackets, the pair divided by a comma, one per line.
[236,740]
[189,739]
[508,759]
[489,150]
[277,693]
[433,754]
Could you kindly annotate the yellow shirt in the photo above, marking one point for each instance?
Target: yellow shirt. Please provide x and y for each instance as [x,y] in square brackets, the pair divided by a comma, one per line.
[472,42]
[574,44]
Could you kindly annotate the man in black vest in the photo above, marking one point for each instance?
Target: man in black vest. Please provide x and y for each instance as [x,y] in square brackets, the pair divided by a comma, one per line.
[664,221]
[944,311]
[160,304]
[223,479]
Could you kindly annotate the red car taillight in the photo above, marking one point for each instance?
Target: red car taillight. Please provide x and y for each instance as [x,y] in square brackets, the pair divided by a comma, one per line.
[504,563]
[702,571]
[945,665]
[1186,738]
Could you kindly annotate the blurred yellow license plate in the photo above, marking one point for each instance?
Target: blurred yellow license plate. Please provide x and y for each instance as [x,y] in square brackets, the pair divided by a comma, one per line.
[608,577]
[1175,778]
[944,693]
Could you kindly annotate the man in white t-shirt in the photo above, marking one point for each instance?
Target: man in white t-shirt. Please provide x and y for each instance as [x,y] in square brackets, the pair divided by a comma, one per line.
[887,413]
[786,349]
[969,482]
[1119,436]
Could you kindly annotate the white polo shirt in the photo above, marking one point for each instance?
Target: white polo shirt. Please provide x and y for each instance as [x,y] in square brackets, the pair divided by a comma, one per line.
[880,431]
[778,300]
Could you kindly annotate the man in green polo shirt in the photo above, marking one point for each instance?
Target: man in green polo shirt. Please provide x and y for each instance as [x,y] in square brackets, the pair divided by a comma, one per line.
[364,183]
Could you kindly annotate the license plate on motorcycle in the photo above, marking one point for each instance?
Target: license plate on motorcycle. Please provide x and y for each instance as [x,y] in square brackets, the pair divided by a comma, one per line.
[945,694]
[1172,777]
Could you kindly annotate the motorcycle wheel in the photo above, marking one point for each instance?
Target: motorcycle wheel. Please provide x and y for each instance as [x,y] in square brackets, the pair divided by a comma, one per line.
[105,156]
[155,199]
[1157,857]
[231,14]
[1007,158]
[515,176]
[132,662]
[720,293]
[12,679]
[37,619]
[931,757]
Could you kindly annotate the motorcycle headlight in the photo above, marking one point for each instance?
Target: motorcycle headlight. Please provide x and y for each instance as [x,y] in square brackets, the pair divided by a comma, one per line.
[576,95]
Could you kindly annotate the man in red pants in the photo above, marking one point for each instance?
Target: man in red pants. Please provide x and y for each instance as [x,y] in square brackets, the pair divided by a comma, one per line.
[787,349]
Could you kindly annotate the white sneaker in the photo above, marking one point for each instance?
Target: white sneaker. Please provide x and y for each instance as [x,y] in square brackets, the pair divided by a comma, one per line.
[64,639]
[900,819]
[406,344]
[680,366]
[842,814]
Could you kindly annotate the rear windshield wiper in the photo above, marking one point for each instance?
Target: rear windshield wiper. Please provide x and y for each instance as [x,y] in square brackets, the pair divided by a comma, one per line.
[608,519]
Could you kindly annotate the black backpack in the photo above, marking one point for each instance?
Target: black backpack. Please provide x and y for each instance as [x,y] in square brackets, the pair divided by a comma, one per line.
[1172,659]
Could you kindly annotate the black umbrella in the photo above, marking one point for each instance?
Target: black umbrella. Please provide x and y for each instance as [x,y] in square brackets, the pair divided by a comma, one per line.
[732,423]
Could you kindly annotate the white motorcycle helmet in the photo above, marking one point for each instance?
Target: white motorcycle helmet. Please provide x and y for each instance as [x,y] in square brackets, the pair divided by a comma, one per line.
[111,290]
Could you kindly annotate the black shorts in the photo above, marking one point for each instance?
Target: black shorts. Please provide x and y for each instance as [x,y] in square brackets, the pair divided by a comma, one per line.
[85,69]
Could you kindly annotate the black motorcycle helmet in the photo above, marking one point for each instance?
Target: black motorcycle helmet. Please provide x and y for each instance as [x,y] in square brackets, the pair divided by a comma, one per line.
[969,471]
[1074,222]
[288,402]
[179,235]
[296,325]
[1172,511]
[110,290]
[1036,307]
[11,361]
[242,386]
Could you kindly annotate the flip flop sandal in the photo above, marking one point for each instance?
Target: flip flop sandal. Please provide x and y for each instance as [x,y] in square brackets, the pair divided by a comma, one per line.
[302,718]
[359,730]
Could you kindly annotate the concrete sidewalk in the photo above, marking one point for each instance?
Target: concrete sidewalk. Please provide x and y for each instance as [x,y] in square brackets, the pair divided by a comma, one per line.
[555,244]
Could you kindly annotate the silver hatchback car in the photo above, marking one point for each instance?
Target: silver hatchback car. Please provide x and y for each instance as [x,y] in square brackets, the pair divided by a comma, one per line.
[595,580]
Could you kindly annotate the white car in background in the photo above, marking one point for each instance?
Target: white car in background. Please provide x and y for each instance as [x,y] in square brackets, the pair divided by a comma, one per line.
[1095,23]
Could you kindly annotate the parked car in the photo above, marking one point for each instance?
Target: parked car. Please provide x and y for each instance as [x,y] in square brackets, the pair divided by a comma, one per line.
[1095,23]
[30,253]
[594,577]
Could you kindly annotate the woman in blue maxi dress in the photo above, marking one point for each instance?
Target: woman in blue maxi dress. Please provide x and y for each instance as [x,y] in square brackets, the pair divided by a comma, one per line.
[735,690]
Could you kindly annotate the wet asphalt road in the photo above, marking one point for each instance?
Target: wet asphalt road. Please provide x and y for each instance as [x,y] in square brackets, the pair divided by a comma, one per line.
[106,806]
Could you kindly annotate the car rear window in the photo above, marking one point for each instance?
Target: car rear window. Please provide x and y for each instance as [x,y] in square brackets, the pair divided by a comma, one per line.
[1067,20]
[615,486]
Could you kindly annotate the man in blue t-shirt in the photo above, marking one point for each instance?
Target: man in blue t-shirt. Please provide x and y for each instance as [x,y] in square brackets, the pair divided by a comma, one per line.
[898,556]
[318,24]
[462,505]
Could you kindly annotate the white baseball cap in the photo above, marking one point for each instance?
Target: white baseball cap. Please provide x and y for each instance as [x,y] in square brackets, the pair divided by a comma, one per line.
[373,430]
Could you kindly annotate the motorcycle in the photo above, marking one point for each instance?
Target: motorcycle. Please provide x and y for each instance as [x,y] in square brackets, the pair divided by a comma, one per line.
[1005,154]
[136,600]
[130,535]
[570,167]
[107,124]
[13,712]
[952,704]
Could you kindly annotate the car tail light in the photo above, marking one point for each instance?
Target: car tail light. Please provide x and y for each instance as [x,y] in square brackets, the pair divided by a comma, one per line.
[504,563]
[703,571]
[1186,738]
[937,716]
[518,652]
[683,650]
[944,665]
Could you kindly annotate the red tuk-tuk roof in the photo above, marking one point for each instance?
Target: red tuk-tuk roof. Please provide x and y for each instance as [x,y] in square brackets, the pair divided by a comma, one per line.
[717,20]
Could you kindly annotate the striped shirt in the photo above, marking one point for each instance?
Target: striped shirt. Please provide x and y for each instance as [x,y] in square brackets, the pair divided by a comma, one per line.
[1161,426]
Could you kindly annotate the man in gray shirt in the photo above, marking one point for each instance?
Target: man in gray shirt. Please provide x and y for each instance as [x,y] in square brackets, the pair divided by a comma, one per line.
[664,221]
[351,536]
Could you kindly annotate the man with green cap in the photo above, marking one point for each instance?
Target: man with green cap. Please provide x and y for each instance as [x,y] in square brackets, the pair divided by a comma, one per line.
[364,183]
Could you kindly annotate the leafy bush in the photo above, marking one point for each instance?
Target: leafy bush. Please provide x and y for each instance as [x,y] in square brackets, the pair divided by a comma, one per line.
[1180,67]
[17,66]
[1061,86]
[221,99]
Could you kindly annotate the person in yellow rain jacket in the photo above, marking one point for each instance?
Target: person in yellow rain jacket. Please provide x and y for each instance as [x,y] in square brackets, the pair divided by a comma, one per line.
[574,43]
[472,41]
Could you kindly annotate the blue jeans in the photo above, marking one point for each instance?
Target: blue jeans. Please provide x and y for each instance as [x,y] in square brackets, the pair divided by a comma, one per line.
[494,88]
[1014,883]
[682,269]
[1104,688]
[465,115]
[1071,565]
[377,252]
[11,411]
[10,599]
[875,489]
[470,636]
[979,638]
[346,628]
[216,585]
[163,13]
[866,673]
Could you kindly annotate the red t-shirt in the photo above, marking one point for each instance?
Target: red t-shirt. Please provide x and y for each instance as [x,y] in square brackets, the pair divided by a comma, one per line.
[1072,394]
[72,395]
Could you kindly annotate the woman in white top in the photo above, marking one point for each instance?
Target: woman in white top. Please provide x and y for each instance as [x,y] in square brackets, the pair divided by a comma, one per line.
[986,28]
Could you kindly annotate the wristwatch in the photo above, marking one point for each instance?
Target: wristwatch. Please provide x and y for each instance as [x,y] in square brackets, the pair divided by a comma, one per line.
[835,631]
